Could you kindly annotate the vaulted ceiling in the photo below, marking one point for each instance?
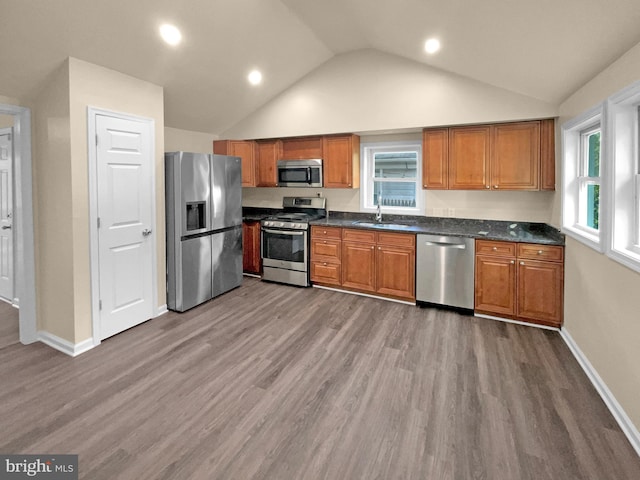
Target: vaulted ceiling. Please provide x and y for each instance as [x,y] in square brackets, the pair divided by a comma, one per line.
[545,49]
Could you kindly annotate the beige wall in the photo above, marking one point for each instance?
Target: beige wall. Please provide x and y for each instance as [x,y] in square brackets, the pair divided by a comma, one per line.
[602,310]
[176,140]
[62,191]
[6,120]
[374,93]
[53,207]
[95,86]
[371,91]
[9,100]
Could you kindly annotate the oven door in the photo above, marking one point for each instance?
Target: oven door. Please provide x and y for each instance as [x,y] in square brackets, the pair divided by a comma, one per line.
[284,249]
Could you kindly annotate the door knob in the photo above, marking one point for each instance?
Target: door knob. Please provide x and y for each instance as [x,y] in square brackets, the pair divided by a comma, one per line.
[6,227]
[146,232]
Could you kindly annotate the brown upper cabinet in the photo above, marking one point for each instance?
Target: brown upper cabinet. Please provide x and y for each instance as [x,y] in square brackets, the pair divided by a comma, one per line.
[268,152]
[341,161]
[301,148]
[245,149]
[506,156]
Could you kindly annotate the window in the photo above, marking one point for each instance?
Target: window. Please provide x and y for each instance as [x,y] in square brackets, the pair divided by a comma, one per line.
[601,177]
[582,212]
[624,120]
[589,179]
[391,174]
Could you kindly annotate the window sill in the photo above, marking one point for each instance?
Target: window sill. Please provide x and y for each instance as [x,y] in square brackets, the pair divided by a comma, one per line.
[584,237]
[628,258]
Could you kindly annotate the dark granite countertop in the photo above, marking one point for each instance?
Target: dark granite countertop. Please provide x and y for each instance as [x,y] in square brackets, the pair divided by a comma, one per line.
[461,227]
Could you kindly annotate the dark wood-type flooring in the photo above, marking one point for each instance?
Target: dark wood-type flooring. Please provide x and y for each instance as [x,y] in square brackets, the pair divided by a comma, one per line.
[277,382]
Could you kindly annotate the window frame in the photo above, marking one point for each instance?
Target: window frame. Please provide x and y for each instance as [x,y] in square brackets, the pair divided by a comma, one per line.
[367,171]
[624,183]
[575,177]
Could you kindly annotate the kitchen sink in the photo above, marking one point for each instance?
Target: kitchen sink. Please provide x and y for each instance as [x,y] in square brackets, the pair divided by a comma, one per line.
[391,226]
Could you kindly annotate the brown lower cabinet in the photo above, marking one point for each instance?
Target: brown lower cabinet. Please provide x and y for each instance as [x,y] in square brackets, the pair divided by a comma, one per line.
[522,281]
[251,260]
[379,263]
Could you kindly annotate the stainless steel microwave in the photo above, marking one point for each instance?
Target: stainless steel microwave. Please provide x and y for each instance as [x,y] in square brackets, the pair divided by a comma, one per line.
[300,173]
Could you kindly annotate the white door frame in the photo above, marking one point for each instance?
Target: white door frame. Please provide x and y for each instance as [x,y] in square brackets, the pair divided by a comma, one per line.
[25,271]
[92,112]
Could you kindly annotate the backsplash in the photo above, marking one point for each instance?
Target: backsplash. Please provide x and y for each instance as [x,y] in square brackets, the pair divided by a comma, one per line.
[512,206]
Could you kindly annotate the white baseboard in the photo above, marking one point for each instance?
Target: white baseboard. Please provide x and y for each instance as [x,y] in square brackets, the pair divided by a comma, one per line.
[65,346]
[251,275]
[162,309]
[517,322]
[610,401]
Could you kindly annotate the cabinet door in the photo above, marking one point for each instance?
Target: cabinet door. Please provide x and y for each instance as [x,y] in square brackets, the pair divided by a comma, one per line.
[358,266]
[515,156]
[326,272]
[540,286]
[547,154]
[435,158]
[251,261]
[341,156]
[243,149]
[301,148]
[495,286]
[469,158]
[267,155]
[396,272]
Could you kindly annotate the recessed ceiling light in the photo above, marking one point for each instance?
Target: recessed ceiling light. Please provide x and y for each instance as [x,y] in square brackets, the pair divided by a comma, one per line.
[432,45]
[170,34]
[255,77]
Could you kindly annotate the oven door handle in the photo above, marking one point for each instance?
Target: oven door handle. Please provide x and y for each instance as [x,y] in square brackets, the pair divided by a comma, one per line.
[283,232]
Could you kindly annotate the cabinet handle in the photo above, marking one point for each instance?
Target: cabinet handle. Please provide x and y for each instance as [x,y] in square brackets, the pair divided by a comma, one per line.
[349,184]
[324,231]
[372,248]
[495,186]
[495,249]
[512,262]
[325,264]
[539,252]
[487,186]
[379,248]
[521,263]
[324,242]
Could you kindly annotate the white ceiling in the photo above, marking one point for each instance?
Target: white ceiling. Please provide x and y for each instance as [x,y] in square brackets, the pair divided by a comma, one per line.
[545,49]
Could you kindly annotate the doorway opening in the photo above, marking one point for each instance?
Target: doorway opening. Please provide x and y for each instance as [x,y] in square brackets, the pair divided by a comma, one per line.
[24,282]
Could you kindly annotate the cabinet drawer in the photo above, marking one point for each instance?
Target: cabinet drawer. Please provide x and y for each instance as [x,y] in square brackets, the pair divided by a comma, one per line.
[328,249]
[326,272]
[552,253]
[496,249]
[364,236]
[326,232]
[400,239]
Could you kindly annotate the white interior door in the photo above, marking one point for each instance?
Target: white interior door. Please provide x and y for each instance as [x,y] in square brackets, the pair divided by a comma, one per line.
[6,214]
[124,194]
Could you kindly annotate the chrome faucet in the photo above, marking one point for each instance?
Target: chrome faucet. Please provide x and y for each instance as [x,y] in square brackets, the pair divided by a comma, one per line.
[378,212]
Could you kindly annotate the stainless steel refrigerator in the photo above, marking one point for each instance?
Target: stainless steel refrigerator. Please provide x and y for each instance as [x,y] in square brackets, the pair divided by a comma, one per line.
[204,227]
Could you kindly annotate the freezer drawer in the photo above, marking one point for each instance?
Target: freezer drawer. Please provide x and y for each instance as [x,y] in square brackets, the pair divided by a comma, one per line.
[226,255]
[445,270]
[191,284]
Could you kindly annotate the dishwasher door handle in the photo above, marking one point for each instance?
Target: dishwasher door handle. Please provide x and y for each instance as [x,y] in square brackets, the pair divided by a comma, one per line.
[460,246]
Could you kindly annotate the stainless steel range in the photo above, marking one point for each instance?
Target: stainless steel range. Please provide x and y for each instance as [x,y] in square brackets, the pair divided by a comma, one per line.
[285,240]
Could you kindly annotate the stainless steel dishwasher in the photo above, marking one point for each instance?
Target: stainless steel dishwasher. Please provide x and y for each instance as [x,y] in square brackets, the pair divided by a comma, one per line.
[445,269]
